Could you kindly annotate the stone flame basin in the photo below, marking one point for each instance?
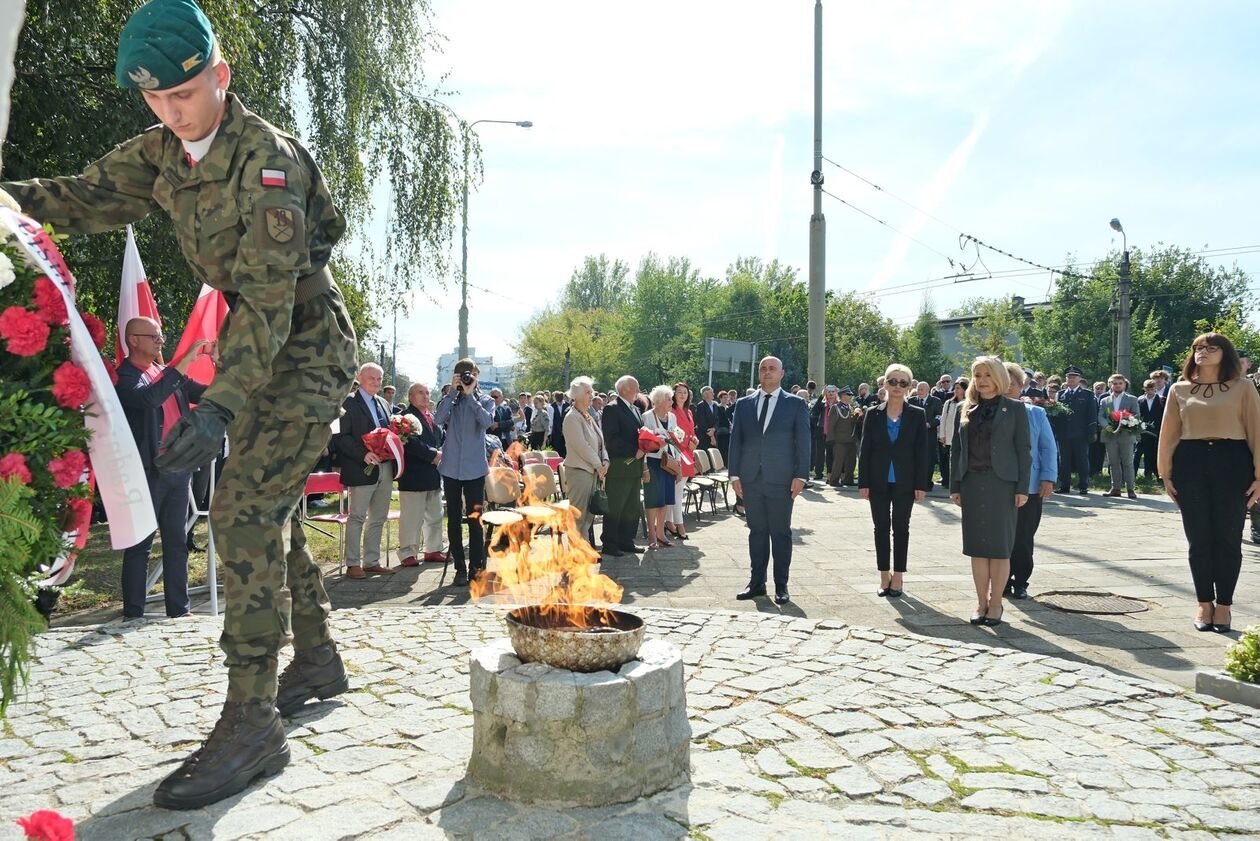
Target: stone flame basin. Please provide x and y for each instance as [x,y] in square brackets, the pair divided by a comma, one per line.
[543,734]
[601,639]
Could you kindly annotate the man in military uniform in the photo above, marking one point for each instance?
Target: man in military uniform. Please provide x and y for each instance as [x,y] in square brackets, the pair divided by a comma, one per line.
[255,219]
[843,428]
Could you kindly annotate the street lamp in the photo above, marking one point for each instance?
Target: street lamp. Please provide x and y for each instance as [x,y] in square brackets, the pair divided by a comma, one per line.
[1124,337]
[463,275]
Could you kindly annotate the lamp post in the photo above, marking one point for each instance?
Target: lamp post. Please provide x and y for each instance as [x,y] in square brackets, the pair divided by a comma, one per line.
[463,274]
[816,353]
[1124,336]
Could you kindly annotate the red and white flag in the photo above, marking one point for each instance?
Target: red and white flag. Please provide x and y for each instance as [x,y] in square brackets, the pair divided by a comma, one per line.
[134,298]
[203,325]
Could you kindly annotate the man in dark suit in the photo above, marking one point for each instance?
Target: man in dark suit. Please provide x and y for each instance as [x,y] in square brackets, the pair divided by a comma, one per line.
[526,401]
[1031,389]
[1078,431]
[817,440]
[932,406]
[501,423]
[706,419]
[944,388]
[621,423]
[153,398]
[559,408]
[370,480]
[1150,410]
[768,468]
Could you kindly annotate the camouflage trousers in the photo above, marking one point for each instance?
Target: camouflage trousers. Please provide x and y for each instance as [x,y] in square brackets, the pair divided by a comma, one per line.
[273,587]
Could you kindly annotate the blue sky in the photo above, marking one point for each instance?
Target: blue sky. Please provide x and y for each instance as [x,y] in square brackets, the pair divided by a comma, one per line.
[685,128]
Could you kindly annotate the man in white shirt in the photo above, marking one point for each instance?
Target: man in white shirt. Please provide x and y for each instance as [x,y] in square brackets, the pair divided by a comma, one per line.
[768,467]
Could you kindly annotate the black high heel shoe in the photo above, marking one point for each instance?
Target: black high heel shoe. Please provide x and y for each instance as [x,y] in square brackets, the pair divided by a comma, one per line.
[977,618]
[894,592]
[1221,628]
[994,621]
[884,589]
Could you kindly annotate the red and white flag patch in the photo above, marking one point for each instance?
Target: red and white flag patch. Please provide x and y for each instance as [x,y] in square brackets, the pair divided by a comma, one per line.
[274,178]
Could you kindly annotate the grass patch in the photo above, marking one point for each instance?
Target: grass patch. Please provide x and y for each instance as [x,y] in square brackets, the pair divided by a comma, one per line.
[774,797]
[816,773]
[1049,679]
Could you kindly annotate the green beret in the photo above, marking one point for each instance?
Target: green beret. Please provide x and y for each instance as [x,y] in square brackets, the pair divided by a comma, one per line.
[165,43]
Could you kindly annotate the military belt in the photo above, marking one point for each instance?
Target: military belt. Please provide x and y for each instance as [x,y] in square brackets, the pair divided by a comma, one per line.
[308,287]
[313,285]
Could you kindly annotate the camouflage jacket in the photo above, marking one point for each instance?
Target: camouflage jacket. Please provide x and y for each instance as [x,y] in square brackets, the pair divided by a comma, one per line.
[252,217]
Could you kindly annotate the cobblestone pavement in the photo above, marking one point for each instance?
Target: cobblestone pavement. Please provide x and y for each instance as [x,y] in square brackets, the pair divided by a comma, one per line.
[1131,548]
[801,728]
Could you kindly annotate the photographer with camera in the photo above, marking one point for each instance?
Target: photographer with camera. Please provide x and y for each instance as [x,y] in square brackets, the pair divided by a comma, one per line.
[466,414]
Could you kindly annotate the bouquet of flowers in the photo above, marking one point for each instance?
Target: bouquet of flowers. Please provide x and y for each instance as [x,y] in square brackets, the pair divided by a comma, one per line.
[1121,421]
[406,427]
[46,482]
[1055,409]
[385,444]
[649,441]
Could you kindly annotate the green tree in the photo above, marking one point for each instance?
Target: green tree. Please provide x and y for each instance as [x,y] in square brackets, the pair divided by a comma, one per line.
[995,332]
[861,341]
[599,284]
[358,86]
[593,340]
[1173,292]
[920,346]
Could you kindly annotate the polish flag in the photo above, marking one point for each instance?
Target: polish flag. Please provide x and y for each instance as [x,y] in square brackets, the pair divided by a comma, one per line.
[134,298]
[203,324]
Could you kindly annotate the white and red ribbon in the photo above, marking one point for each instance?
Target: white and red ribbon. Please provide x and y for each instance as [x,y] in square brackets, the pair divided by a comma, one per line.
[112,449]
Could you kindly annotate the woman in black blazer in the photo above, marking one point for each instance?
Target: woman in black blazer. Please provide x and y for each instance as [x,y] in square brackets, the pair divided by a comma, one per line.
[420,485]
[894,472]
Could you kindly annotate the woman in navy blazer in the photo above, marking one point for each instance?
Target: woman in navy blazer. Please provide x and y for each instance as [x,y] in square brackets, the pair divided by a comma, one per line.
[894,472]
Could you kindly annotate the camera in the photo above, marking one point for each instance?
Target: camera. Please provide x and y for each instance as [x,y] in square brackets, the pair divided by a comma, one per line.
[466,378]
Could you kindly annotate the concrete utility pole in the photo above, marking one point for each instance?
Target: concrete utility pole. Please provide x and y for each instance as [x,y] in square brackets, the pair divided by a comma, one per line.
[817,353]
[1124,328]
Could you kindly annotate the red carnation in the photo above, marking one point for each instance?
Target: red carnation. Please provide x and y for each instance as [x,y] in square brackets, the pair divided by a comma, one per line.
[71,386]
[67,470]
[112,370]
[97,328]
[24,332]
[79,514]
[49,303]
[14,464]
[47,825]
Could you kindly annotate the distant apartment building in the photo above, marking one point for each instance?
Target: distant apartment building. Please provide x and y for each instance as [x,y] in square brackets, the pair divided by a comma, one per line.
[492,376]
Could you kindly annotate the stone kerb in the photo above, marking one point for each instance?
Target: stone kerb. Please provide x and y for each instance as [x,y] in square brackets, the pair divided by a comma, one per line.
[542,734]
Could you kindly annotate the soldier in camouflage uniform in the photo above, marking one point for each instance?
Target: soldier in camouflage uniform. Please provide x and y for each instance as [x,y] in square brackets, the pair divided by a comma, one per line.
[255,219]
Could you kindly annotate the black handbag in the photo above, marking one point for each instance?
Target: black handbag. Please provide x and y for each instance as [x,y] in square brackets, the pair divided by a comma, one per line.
[599,501]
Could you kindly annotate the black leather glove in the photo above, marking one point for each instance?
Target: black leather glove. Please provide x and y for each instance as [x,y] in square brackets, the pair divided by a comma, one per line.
[195,439]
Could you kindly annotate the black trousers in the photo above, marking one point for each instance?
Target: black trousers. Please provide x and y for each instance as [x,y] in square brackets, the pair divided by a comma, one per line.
[825,453]
[724,443]
[942,458]
[170,493]
[891,508]
[536,440]
[467,496]
[1097,457]
[768,509]
[1027,521]
[1147,450]
[817,454]
[1074,458]
[1210,478]
[625,507]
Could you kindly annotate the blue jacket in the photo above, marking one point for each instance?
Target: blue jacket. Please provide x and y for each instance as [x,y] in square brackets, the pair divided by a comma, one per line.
[780,453]
[1045,453]
[1083,422]
[464,450]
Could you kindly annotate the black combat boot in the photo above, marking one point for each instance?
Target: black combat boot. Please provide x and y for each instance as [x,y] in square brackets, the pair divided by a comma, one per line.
[246,744]
[314,673]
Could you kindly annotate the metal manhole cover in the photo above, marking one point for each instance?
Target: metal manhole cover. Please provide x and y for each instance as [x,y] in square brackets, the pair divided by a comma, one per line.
[1083,601]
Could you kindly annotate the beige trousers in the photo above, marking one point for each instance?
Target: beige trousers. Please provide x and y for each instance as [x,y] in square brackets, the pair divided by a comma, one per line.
[420,515]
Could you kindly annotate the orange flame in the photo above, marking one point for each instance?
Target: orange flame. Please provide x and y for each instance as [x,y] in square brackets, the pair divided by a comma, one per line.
[542,559]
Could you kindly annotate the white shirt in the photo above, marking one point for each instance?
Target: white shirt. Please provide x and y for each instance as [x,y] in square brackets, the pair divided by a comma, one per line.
[374,408]
[774,403]
[197,149]
[633,408]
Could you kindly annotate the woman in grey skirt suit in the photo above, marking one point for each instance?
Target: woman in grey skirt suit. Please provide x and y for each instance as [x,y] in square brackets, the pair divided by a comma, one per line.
[991,459]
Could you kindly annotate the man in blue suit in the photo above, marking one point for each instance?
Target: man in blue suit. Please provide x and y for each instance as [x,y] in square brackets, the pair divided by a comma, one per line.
[1079,429]
[768,467]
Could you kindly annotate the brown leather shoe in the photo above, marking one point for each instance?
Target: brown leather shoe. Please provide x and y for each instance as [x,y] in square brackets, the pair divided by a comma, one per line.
[434,558]
[1132,495]
[377,569]
[409,561]
[355,572]
[1113,493]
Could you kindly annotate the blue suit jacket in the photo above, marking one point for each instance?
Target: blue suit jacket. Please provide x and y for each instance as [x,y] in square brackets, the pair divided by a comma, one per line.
[780,453]
[1045,453]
